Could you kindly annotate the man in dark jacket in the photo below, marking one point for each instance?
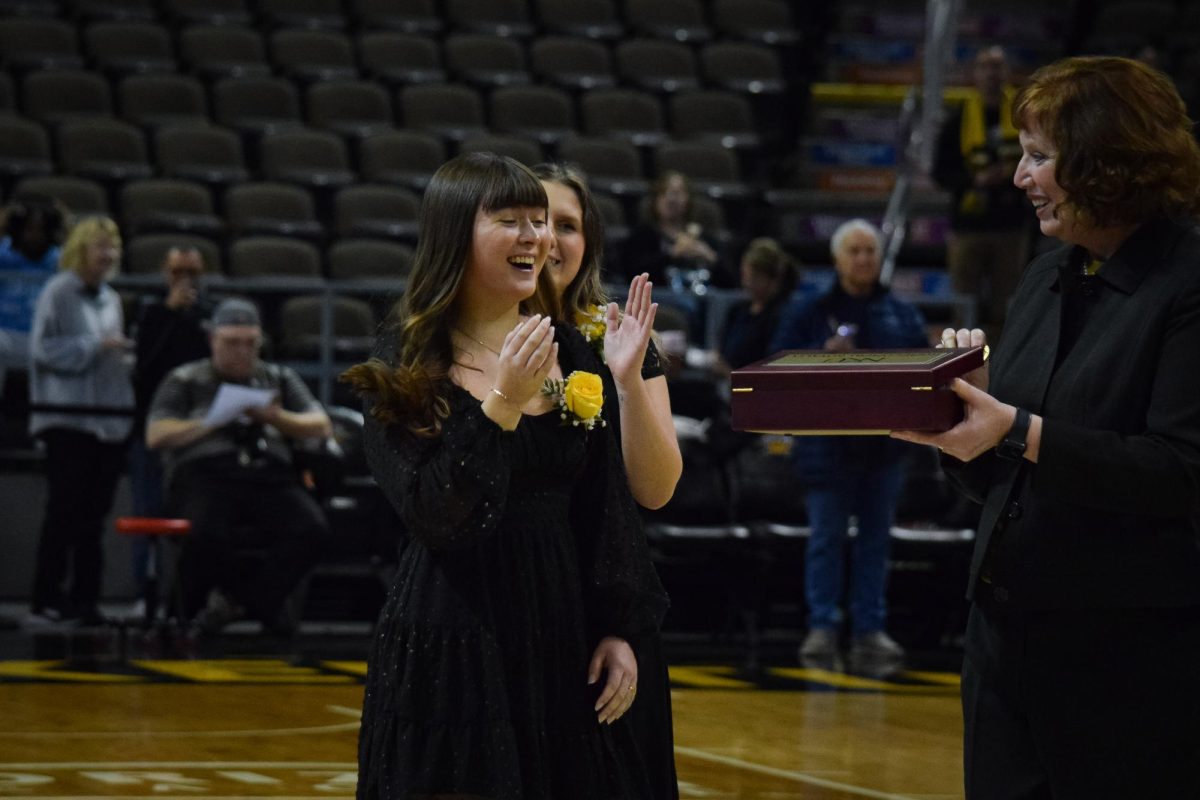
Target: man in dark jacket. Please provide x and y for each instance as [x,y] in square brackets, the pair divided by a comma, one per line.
[168,331]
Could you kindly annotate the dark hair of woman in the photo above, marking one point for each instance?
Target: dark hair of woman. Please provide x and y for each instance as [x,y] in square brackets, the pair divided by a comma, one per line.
[1126,152]
[765,257]
[659,187]
[413,392]
[32,210]
[586,288]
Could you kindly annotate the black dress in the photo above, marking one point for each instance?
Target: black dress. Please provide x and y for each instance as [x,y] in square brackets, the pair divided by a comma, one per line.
[525,551]
[650,715]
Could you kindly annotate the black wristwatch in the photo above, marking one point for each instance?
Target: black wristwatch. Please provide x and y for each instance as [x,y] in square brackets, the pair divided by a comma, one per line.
[1012,446]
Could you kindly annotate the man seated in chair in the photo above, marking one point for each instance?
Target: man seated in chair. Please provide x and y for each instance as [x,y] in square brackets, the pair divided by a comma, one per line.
[236,480]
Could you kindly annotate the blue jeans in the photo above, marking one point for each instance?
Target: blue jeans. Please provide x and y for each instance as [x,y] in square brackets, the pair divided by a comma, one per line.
[870,493]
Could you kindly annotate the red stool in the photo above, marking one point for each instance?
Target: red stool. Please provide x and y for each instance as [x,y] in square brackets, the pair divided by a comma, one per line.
[162,529]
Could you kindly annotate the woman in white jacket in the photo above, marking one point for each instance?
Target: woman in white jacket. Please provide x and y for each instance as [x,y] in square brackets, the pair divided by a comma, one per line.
[79,360]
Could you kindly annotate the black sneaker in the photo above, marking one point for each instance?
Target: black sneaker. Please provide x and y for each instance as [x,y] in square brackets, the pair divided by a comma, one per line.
[284,622]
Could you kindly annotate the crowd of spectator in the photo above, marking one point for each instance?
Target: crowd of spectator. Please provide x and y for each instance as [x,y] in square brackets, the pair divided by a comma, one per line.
[109,395]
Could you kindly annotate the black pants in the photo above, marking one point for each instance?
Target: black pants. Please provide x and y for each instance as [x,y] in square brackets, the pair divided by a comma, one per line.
[1082,704]
[81,478]
[228,514]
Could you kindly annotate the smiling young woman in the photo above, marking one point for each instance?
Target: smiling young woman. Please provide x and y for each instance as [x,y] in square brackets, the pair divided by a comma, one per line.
[501,664]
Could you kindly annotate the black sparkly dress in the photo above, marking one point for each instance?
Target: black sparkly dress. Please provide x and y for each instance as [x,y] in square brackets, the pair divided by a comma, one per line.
[525,550]
[650,715]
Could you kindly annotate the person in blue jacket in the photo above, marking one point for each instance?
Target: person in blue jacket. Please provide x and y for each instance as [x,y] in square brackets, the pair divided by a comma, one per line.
[848,476]
[31,228]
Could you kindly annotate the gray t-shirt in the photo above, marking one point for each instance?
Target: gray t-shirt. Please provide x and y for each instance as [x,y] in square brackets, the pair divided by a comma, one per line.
[189,390]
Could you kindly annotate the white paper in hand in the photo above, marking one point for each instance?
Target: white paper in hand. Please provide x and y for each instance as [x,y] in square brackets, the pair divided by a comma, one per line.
[232,400]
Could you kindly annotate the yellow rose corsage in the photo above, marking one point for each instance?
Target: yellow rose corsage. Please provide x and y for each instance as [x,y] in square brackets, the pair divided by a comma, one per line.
[590,322]
[580,398]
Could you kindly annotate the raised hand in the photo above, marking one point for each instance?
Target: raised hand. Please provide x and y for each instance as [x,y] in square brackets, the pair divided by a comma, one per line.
[181,294]
[528,354]
[626,337]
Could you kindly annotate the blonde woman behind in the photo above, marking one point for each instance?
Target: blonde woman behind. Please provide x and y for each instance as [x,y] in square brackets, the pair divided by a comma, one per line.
[647,433]
[79,359]
[644,427]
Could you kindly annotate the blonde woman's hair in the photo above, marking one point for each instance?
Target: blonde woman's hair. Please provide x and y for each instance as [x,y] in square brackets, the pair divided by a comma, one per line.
[74,250]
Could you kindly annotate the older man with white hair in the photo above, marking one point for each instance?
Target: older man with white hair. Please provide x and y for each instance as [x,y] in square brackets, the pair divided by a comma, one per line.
[846,476]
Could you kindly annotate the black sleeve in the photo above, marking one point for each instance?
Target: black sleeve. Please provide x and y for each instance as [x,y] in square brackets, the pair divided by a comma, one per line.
[652,363]
[1155,472]
[622,593]
[450,490]
[149,332]
[972,478]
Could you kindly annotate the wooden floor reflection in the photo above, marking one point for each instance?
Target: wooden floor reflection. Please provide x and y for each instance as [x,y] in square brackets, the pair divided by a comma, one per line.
[264,729]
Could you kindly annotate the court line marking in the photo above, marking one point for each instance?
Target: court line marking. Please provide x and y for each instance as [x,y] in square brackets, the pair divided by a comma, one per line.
[341,726]
[345,711]
[701,755]
[798,777]
[843,680]
[117,765]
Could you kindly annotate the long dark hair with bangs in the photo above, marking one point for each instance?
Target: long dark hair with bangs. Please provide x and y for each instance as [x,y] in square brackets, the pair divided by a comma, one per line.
[586,288]
[412,390]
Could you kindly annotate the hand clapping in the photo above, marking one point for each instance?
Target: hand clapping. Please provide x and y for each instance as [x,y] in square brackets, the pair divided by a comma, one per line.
[528,354]
[626,336]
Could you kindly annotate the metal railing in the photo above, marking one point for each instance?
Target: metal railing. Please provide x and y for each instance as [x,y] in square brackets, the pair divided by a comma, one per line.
[324,369]
[920,124]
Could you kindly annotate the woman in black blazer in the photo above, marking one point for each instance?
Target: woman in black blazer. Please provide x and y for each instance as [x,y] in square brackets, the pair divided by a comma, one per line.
[1081,676]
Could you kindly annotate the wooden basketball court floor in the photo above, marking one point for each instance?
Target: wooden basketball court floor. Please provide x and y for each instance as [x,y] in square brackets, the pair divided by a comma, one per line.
[286,727]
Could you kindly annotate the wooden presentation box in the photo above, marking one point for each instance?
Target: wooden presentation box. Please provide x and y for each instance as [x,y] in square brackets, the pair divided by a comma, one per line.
[864,392]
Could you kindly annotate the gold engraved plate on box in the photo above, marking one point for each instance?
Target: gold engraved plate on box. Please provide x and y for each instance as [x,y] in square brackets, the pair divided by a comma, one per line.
[830,359]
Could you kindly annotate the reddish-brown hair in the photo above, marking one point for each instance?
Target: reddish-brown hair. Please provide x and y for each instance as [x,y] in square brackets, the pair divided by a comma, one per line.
[1125,151]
